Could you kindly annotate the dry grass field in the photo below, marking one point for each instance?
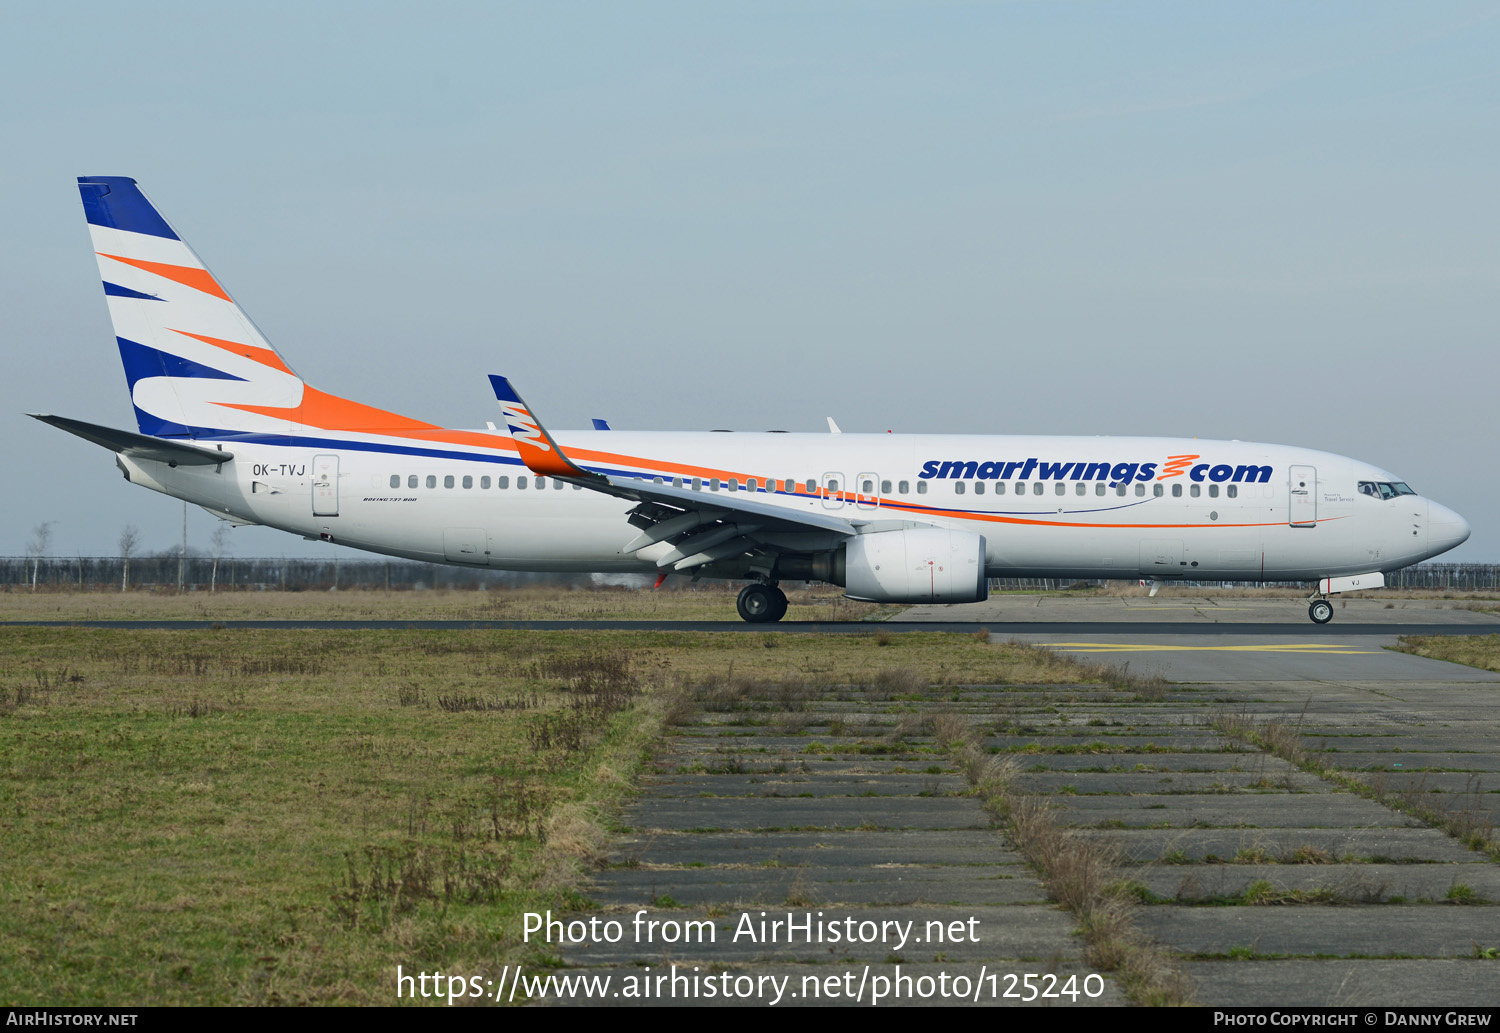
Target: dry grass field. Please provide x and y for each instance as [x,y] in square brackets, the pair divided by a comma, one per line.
[687,602]
[261,816]
[1482,651]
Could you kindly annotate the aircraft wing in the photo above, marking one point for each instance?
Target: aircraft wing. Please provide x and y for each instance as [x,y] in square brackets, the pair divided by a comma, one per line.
[702,527]
[138,446]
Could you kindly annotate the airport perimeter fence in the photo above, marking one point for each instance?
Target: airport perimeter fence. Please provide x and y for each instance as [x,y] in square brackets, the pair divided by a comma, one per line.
[229,573]
[262,574]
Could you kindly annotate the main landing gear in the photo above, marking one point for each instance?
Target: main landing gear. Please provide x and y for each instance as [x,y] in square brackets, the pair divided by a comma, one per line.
[1320,610]
[760,602]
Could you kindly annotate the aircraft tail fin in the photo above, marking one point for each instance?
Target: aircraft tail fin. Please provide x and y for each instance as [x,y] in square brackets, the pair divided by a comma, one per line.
[195,363]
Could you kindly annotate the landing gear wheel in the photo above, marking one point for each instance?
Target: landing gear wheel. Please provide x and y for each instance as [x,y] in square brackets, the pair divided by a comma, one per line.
[757,603]
[1321,611]
[781,603]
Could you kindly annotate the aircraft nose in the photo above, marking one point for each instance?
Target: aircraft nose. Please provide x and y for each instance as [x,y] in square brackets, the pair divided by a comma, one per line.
[1445,528]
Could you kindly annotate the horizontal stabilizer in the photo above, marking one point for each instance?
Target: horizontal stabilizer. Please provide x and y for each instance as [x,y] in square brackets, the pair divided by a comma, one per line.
[137,446]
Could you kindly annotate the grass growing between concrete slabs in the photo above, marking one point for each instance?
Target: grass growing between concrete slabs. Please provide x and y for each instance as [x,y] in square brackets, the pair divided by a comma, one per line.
[1457,814]
[214,817]
[1077,872]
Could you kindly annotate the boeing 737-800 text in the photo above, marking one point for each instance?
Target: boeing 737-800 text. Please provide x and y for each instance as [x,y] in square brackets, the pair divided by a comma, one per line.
[225,423]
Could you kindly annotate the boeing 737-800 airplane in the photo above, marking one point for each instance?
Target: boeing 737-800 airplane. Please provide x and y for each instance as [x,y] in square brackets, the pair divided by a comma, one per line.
[226,424]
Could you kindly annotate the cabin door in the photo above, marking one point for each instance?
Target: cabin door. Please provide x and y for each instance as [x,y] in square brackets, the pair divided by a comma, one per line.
[325,486]
[1303,497]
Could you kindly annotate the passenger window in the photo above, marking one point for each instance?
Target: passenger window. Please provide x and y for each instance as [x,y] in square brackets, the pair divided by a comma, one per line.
[978,487]
[431,481]
[1195,490]
[1140,491]
[958,487]
[1120,490]
[395,480]
[812,486]
[1080,489]
[502,482]
[1233,491]
[885,487]
[1177,491]
[558,485]
[468,481]
[869,487]
[1213,491]
[1037,488]
[921,487]
[411,482]
[1158,490]
[484,482]
[1062,489]
[1099,488]
[676,482]
[520,482]
[750,485]
[713,484]
[541,484]
[904,487]
[1020,487]
[999,487]
[697,483]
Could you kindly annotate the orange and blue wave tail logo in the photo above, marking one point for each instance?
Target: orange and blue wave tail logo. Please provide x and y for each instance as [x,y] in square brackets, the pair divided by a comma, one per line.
[191,356]
[536,447]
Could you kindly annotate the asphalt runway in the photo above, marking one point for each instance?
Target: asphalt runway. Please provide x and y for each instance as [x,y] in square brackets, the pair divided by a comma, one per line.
[1328,632]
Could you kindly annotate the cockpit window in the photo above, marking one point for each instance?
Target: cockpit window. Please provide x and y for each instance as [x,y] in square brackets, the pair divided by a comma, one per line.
[1384,489]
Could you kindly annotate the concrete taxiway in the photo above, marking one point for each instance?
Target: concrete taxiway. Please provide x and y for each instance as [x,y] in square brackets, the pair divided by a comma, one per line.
[1351,878]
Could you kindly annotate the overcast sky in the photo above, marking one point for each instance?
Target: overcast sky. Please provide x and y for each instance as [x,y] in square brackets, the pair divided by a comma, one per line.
[1273,222]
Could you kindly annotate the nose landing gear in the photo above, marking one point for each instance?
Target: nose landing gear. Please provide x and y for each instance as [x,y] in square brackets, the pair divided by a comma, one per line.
[760,602]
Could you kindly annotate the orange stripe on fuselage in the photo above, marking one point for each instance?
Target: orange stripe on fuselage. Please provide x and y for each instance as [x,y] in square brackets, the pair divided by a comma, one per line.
[264,356]
[654,468]
[198,279]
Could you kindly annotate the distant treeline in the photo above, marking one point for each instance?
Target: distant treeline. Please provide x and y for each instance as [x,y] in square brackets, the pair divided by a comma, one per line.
[265,573]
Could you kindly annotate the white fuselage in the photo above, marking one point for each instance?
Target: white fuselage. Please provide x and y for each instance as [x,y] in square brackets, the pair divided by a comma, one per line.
[1098,507]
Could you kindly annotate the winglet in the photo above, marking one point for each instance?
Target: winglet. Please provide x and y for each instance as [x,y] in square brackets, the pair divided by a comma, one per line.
[538,451]
[600,424]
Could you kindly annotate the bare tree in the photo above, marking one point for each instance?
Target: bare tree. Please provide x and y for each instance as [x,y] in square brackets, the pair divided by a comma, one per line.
[220,540]
[41,535]
[130,540]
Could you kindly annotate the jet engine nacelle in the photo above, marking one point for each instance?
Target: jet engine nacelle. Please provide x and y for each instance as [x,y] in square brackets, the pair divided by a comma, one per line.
[917,565]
